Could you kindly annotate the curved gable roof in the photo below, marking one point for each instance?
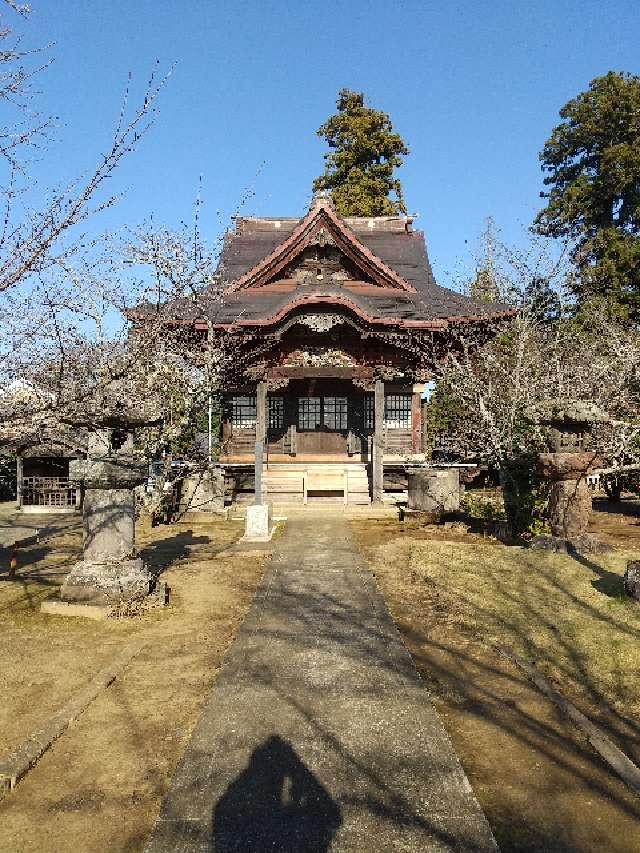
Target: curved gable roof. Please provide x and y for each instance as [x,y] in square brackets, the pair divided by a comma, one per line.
[405,292]
[394,257]
[321,217]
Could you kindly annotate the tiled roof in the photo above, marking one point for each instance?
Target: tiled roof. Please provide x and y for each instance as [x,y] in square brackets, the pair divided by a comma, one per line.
[409,296]
[320,221]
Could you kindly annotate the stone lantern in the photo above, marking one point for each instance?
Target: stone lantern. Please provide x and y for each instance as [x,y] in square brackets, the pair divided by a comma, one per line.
[567,460]
[110,571]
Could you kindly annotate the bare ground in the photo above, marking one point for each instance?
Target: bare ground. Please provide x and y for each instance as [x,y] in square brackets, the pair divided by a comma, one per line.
[454,595]
[99,787]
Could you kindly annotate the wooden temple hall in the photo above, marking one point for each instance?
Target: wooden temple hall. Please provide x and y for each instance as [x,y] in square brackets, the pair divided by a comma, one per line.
[336,325]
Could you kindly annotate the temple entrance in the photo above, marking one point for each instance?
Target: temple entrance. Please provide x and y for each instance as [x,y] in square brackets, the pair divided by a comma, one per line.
[323,425]
[327,416]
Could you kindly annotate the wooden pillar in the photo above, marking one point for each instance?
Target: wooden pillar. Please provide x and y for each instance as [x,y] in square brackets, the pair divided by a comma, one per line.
[261,430]
[19,478]
[378,442]
[416,423]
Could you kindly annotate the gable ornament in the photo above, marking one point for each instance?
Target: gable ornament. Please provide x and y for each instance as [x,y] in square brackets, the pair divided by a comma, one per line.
[321,322]
[322,238]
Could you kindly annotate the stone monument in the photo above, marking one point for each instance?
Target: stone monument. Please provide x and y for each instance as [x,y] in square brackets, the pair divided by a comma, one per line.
[203,491]
[258,523]
[259,518]
[566,461]
[110,571]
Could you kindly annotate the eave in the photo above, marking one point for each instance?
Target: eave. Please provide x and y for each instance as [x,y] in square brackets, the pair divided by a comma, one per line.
[441,323]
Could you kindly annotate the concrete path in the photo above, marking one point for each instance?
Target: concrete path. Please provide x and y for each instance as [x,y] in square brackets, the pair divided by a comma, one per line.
[318,734]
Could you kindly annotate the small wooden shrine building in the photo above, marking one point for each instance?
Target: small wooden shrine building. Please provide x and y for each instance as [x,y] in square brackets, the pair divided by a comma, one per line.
[42,472]
[336,324]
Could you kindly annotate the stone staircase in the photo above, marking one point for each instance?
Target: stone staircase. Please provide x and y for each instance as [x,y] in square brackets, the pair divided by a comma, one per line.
[304,482]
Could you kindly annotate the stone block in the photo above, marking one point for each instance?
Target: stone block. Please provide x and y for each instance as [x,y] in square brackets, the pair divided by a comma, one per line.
[546,542]
[632,579]
[105,583]
[203,491]
[582,545]
[434,490]
[259,524]
[109,524]
[588,544]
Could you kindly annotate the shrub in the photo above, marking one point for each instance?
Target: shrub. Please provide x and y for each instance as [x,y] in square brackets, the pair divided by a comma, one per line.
[525,494]
[483,507]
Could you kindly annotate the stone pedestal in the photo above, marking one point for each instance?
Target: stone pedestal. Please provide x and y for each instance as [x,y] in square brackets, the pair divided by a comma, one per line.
[569,495]
[258,525]
[106,582]
[569,508]
[434,491]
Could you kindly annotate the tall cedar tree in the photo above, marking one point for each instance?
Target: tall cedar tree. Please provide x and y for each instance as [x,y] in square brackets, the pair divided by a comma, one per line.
[359,169]
[592,161]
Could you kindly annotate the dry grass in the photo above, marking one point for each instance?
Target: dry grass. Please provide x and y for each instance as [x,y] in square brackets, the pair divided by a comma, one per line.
[100,786]
[568,614]
[454,595]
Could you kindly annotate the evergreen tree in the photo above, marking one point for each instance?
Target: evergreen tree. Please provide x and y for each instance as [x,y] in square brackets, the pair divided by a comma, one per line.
[365,151]
[484,285]
[541,300]
[592,161]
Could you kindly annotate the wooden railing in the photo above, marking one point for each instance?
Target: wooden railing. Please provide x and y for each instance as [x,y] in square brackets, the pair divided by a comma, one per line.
[49,492]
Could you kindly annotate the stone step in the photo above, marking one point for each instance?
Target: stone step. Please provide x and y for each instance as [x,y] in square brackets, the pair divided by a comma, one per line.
[292,481]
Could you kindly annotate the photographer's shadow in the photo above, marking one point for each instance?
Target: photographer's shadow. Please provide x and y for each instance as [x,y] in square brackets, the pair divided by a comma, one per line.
[275,804]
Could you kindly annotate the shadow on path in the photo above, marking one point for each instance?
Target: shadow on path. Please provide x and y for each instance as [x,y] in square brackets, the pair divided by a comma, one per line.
[275,804]
[318,734]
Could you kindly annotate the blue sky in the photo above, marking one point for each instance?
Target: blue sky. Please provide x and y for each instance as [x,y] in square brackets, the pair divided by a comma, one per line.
[474,88]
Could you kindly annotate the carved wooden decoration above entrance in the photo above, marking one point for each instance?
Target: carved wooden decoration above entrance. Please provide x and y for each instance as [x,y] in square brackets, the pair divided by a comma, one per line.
[321,263]
[321,322]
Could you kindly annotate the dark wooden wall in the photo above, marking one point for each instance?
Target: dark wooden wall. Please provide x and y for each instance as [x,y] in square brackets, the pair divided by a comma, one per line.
[240,442]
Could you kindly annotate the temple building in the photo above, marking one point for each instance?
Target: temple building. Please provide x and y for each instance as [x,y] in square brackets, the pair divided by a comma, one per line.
[337,324]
